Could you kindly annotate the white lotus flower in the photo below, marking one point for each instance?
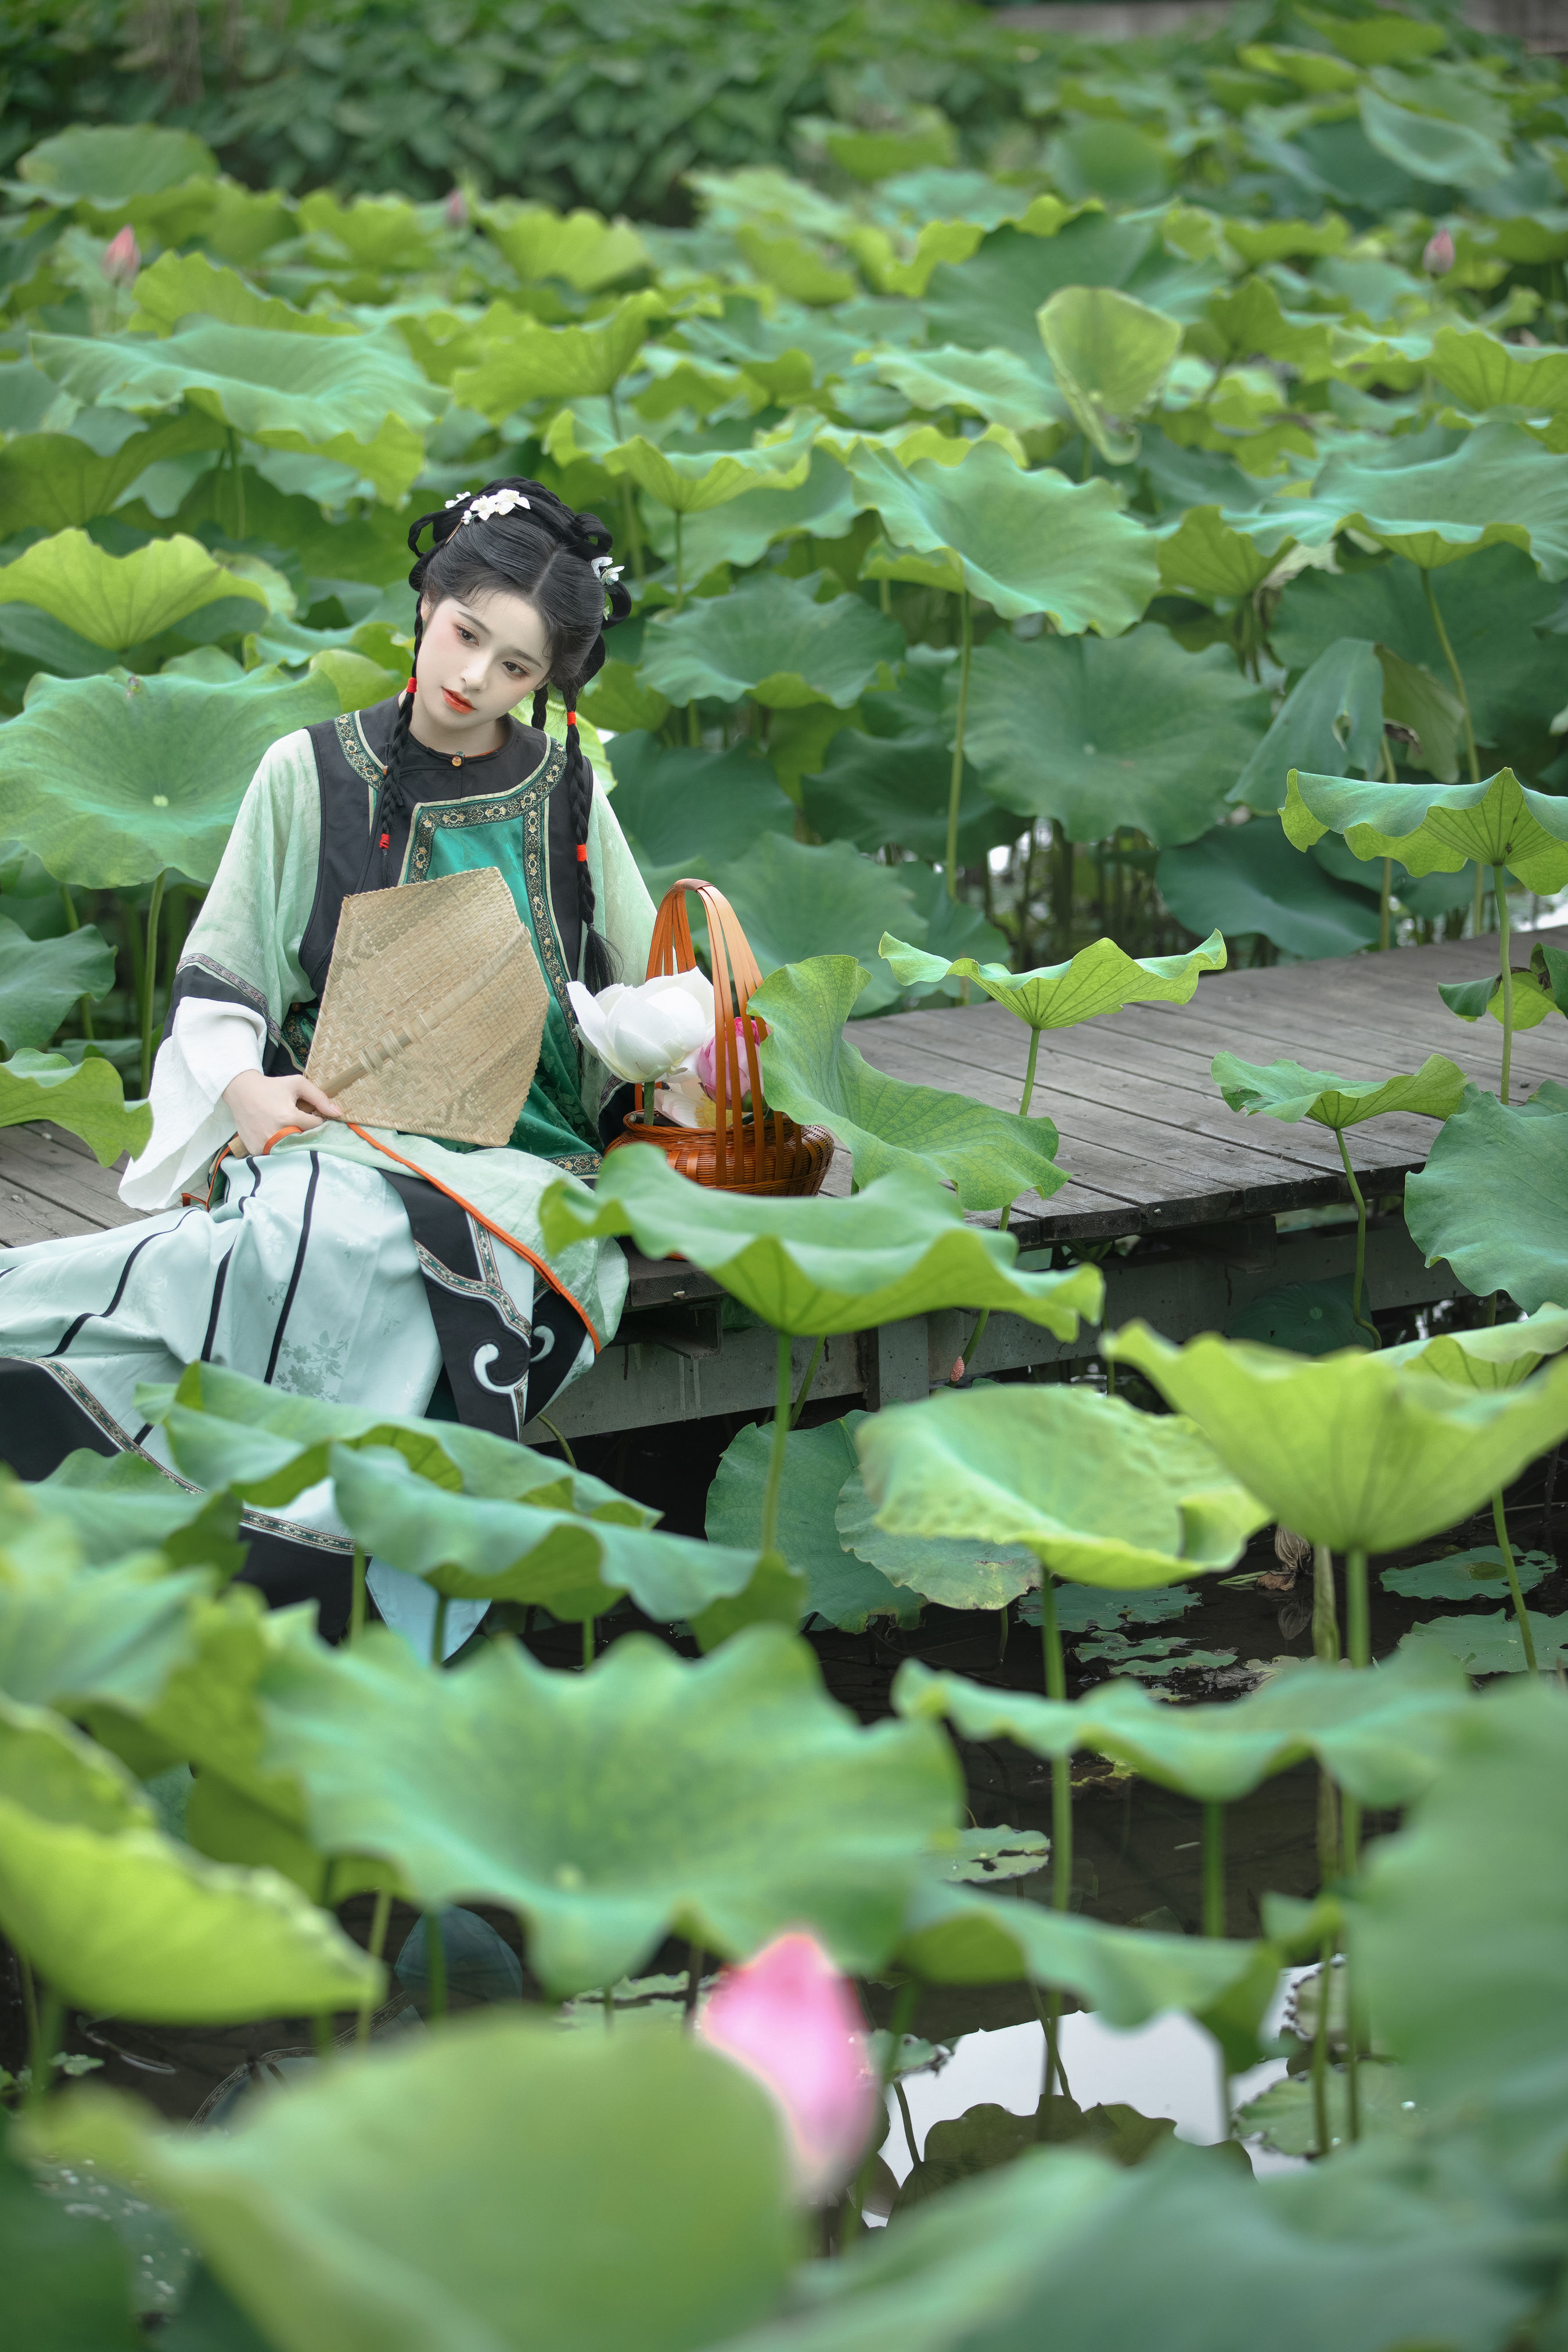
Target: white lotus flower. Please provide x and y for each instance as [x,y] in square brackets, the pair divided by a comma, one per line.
[646,1031]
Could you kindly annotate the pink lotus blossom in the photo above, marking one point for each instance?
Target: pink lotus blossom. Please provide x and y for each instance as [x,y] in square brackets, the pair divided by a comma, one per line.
[121,258]
[791,2020]
[454,211]
[707,1060]
[1438,258]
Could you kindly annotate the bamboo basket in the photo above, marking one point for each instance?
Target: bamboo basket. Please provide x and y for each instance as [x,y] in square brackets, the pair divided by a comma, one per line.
[767,1154]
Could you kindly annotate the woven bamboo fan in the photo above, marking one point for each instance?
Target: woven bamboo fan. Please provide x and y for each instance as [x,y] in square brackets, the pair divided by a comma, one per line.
[767,1154]
[432,1011]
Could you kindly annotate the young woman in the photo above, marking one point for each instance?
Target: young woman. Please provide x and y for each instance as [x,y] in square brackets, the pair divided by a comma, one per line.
[371,1273]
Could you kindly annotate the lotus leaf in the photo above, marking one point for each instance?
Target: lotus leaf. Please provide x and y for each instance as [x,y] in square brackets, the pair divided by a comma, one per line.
[898,1248]
[582,248]
[1109,354]
[1430,147]
[1437,497]
[1098,1492]
[50,481]
[812,1071]
[1526,1006]
[682,808]
[127,1922]
[1353,1451]
[822,506]
[999,386]
[695,483]
[51,1771]
[1101,978]
[1493,1642]
[888,777]
[116,1502]
[1494,1356]
[1210,557]
[1284,2118]
[119,599]
[65,2277]
[107,166]
[358,399]
[1331,722]
[1382,1737]
[1250,879]
[86,1098]
[843,1591]
[1493,1196]
[772,639]
[794,902]
[472,1549]
[1485,373]
[1129,731]
[188,285]
[156,768]
[526,361]
[953,1571]
[72,1637]
[323,2217]
[39,981]
[724,1801]
[1440,827]
[1478,1575]
[1284,1090]
[1026,542]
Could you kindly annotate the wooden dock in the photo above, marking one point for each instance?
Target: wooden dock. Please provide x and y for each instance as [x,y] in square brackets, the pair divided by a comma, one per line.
[1155,1156]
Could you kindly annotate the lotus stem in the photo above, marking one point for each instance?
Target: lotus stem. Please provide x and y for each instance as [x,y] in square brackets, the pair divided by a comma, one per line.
[899,2024]
[679,565]
[149,976]
[378,1919]
[1505,940]
[1522,1614]
[1320,2050]
[237,474]
[694,1964]
[435,1968]
[73,923]
[967,1356]
[1214,1870]
[321,2036]
[1364,1322]
[1061,1766]
[589,1625]
[1384,924]
[29,1998]
[561,1442]
[439,1631]
[1456,675]
[1325,1616]
[356,1597]
[967,647]
[776,1457]
[48,2018]
[1357,1623]
[799,1405]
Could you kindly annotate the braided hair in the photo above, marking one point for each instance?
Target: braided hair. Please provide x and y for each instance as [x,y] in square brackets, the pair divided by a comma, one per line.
[527,544]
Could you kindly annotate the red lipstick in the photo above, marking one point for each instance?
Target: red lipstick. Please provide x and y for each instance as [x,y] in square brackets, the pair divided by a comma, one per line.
[454,701]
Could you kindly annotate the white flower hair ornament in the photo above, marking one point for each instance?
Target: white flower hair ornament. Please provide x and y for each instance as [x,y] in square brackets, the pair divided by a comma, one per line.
[495,502]
[606,572]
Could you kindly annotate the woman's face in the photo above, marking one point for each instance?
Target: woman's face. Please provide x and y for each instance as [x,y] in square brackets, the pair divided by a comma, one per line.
[477,657]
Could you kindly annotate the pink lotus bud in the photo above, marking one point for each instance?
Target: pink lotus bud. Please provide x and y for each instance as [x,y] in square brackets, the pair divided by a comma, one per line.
[121,258]
[957,1372]
[454,211]
[1438,258]
[707,1059]
[791,2020]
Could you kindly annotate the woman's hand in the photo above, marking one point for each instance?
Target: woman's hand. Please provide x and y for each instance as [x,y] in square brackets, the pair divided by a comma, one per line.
[261,1106]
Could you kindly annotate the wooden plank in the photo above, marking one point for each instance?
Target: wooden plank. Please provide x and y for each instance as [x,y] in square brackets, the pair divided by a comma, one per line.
[43,1165]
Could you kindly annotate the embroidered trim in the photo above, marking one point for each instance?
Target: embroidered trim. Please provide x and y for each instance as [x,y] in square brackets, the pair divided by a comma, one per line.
[525,802]
[584,1163]
[488,1286]
[356,751]
[248,996]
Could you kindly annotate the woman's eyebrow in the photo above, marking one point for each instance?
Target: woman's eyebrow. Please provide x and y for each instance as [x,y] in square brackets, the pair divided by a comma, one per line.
[509,653]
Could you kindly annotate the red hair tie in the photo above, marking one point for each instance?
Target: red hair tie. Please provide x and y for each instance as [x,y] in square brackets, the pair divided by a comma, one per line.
[412,684]
[571,719]
[581,853]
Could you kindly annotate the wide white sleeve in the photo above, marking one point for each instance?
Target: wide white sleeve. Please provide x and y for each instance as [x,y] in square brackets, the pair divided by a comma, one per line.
[209,1045]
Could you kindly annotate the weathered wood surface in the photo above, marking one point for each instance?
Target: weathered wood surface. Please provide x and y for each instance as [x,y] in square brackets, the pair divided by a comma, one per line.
[1151,1144]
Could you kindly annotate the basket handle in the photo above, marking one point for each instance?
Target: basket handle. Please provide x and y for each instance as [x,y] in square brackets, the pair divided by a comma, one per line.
[735,975]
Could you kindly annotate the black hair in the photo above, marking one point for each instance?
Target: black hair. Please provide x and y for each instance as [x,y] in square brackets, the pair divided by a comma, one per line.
[531,545]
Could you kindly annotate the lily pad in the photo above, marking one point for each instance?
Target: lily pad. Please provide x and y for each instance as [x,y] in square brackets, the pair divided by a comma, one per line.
[889,776]
[85,1098]
[1435,498]
[1494,1355]
[52,1772]
[41,979]
[1356,1453]
[156,768]
[1477,1575]
[65,2276]
[1208,556]
[120,1501]
[1331,722]
[1492,1643]
[898,1248]
[1493,1197]
[771,638]
[795,900]
[1437,828]
[812,1071]
[954,1572]
[323,2219]
[1109,354]
[843,1591]
[50,481]
[1101,978]
[724,1801]
[1024,542]
[1284,1090]
[1284,2117]
[1098,1492]
[1131,731]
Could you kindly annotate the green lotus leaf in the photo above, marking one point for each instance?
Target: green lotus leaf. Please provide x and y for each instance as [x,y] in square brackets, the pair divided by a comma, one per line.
[128,1923]
[1356,1453]
[687,811]
[356,398]
[324,2220]
[1023,542]
[822,505]
[86,1098]
[998,385]
[1109,355]
[888,777]
[1440,827]
[49,1770]
[1491,1823]
[526,361]
[1331,722]
[843,1591]
[1492,1642]
[956,1572]
[1485,373]
[1413,699]
[1431,146]
[582,248]
[695,482]
[1382,1737]
[71,1635]
[1494,1356]
[50,481]
[41,979]
[772,638]
[1475,1575]
[812,1071]
[1437,500]
[473,1547]
[106,164]
[119,599]
[723,1800]
[1493,1197]
[794,900]
[991,300]
[189,285]
[1284,1090]
[1208,556]
[119,1502]
[1127,731]
[1251,322]
[814,1267]
[354,678]
[1100,1493]
[113,779]
[227,1430]
[379,233]
[66,2280]
[1246,878]
[1101,978]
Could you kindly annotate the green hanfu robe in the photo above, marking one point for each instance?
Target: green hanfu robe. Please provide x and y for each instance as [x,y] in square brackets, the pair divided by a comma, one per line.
[327,1267]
